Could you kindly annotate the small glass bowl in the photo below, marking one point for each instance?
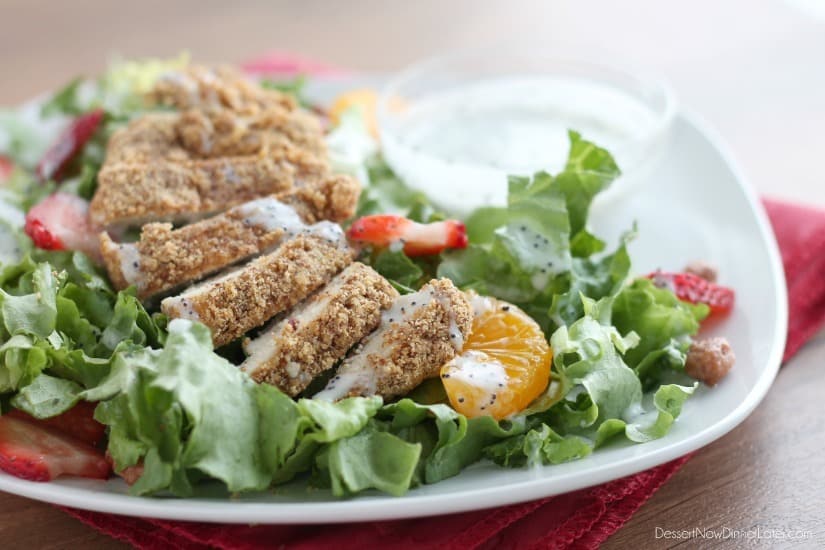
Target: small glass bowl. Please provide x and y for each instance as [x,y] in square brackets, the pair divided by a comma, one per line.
[455,126]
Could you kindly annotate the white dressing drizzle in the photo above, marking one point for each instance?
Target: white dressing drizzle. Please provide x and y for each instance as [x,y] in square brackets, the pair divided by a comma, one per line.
[456,336]
[329,231]
[130,264]
[480,304]
[405,306]
[474,368]
[181,308]
[271,214]
[356,373]
[345,380]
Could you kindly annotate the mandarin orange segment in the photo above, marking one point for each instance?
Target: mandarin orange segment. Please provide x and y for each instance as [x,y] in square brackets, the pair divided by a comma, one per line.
[504,364]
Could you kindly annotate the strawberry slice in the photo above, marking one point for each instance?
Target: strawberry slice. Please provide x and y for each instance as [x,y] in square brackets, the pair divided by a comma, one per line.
[416,239]
[70,142]
[696,290]
[6,168]
[37,453]
[60,222]
[78,422]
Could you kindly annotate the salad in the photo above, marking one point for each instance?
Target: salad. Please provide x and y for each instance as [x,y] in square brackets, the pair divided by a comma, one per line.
[207,278]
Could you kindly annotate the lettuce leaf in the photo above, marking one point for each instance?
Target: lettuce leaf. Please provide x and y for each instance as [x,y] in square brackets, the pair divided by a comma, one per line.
[23,358]
[450,441]
[321,423]
[13,245]
[387,194]
[371,459]
[35,312]
[61,325]
[186,412]
[606,395]
[399,267]
[595,278]
[537,252]
[540,445]
[181,370]
[47,396]
[295,87]
[664,324]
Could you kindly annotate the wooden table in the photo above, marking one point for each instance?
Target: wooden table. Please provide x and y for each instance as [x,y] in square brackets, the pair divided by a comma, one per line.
[758,78]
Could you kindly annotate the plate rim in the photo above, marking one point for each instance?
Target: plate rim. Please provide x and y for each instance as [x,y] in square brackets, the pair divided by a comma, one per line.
[272,513]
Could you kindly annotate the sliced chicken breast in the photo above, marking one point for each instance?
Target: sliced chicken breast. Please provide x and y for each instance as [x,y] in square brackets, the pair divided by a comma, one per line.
[247,297]
[165,258]
[417,335]
[134,194]
[311,338]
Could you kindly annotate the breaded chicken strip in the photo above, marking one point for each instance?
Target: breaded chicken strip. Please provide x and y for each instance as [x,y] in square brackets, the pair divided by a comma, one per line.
[198,86]
[226,114]
[133,194]
[311,338]
[199,134]
[165,258]
[171,166]
[247,297]
[149,138]
[221,132]
[334,198]
[417,335]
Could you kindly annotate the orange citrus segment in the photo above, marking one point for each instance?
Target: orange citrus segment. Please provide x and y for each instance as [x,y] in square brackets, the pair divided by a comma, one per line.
[363,97]
[504,364]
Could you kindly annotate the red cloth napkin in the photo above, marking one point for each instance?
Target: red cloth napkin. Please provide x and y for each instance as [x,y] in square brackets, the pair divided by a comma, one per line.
[582,519]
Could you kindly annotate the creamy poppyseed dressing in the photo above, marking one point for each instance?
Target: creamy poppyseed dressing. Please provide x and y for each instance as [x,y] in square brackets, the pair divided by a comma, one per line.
[460,145]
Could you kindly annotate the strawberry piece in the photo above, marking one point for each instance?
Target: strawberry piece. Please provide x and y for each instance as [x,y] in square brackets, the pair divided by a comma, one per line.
[70,142]
[37,453]
[6,168]
[417,239]
[696,290]
[60,222]
[78,422]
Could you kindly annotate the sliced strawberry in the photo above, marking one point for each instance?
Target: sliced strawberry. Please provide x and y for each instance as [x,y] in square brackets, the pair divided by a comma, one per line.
[696,290]
[417,239]
[70,142]
[60,222]
[37,453]
[6,168]
[78,422]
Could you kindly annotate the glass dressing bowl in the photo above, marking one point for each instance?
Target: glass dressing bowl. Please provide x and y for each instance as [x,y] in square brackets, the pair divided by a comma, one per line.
[455,126]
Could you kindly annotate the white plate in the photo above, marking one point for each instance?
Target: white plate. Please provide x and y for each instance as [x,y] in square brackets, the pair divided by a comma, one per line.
[698,206]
